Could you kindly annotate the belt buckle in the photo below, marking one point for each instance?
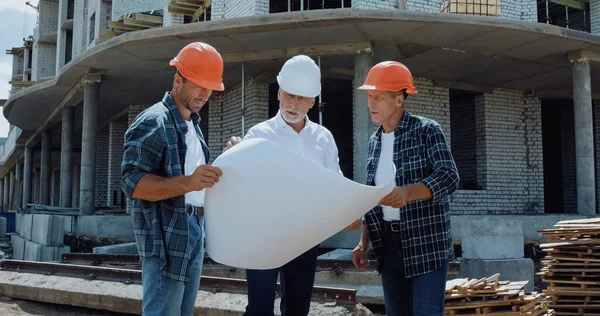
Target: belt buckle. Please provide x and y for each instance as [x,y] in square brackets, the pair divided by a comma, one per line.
[394,227]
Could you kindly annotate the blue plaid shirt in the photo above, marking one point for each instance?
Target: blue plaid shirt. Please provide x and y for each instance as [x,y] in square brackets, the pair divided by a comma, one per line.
[155,144]
[421,154]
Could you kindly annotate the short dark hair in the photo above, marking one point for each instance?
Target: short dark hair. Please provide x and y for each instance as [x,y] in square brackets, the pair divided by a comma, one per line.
[179,73]
[394,94]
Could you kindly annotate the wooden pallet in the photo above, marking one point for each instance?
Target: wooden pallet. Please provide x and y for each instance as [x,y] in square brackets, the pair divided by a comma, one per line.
[465,297]
[572,267]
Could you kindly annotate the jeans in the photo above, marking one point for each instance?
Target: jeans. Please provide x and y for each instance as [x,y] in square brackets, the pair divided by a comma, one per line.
[163,296]
[297,278]
[421,295]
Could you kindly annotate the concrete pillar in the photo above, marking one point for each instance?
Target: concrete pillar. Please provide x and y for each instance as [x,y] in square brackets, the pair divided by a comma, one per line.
[584,138]
[88,149]
[11,192]
[66,158]
[27,176]
[362,119]
[6,191]
[18,184]
[46,168]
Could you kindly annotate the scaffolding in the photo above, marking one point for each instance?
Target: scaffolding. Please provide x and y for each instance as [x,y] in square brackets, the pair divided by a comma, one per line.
[472,7]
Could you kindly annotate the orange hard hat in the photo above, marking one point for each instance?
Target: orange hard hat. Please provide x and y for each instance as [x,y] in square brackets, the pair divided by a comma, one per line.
[389,76]
[201,64]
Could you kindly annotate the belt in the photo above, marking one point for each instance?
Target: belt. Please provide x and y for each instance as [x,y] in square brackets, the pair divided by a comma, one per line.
[392,226]
[194,210]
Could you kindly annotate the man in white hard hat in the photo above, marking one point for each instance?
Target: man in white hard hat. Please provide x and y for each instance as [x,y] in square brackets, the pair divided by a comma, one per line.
[299,83]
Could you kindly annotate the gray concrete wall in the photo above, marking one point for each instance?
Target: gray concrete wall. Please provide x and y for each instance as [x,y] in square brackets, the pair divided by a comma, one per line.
[80,27]
[121,7]
[106,226]
[44,60]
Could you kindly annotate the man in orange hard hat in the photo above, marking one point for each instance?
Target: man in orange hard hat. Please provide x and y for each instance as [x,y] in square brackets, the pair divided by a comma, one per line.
[410,229]
[165,172]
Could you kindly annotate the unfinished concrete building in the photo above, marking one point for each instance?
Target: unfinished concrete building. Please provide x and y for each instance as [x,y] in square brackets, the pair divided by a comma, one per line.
[512,82]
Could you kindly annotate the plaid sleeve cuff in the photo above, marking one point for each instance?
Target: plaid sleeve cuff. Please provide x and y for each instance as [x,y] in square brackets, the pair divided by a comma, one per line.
[437,190]
[130,181]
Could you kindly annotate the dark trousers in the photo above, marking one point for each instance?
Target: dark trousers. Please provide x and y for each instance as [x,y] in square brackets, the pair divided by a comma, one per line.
[297,278]
[421,295]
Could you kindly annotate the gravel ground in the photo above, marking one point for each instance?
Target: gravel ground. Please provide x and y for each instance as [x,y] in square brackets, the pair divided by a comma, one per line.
[15,307]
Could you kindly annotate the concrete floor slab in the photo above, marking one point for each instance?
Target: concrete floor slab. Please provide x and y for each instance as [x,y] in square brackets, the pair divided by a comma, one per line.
[126,298]
[48,230]
[18,245]
[126,248]
[33,251]
[25,225]
[3,226]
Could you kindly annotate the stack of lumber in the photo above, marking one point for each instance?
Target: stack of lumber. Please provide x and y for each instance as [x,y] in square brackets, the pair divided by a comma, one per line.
[193,8]
[129,23]
[494,297]
[572,267]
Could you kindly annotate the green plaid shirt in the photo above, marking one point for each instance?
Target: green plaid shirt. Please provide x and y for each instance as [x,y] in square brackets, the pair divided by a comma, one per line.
[155,144]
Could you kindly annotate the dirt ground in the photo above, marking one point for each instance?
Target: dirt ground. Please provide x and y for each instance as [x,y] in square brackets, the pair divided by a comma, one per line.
[15,307]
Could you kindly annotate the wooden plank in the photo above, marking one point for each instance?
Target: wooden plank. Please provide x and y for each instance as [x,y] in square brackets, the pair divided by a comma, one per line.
[200,10]
[144,24]
[452,284]
[118,26]
[149,18]
[571,243]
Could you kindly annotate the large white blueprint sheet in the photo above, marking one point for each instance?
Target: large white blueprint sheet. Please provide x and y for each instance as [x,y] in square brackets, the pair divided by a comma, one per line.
[272,205]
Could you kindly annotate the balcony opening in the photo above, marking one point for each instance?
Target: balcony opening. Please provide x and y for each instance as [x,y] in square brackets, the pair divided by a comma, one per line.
[463,106]
[92,33]
[69,46]
[70,9]
[277,6]
[565,13]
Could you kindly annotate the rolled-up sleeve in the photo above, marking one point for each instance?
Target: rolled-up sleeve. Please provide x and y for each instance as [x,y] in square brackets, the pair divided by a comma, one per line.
[143,151]
[444,179]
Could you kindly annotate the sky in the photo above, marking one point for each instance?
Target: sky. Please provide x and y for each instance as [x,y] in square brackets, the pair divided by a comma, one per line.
[17,20]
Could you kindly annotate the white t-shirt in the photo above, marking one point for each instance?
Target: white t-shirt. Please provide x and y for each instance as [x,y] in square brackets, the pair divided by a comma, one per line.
[385,171]
[193,159]
[314,141]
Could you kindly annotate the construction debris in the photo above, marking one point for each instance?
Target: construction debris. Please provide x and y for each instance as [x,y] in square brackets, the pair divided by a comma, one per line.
[466,297]
[572,267]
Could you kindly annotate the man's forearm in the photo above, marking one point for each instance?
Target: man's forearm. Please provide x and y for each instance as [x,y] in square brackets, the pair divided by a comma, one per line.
[364,237]
[155,188]
[418,191]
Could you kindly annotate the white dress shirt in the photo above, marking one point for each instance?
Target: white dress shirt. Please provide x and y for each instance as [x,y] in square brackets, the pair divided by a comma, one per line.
[314,141]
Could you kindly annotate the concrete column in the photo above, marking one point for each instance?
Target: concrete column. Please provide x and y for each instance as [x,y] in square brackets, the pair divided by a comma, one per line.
[18,183]
[362,119]
[46,168]
[66,158]
[11,192]
[6,191]
[27,176]
[88,149]
[584,138]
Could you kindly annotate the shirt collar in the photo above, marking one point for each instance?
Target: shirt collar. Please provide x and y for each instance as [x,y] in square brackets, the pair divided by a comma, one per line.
[402,125]
[179,121]
[281,123]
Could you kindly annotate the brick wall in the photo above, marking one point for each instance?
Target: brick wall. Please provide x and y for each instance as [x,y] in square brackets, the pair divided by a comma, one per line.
[227,9]
[44,60]
[464,138]
[80,27]
[47,17]
[225,113]
[171,18]
[102,168]
[115,157]
[375,4]
[595,16]
[101,13]
[432,102]
[432,6]
[567,117]
[512,143]
[121,7]
[529,10]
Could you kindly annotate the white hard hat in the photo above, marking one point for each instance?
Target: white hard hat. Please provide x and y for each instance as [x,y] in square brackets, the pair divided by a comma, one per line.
[301,76]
